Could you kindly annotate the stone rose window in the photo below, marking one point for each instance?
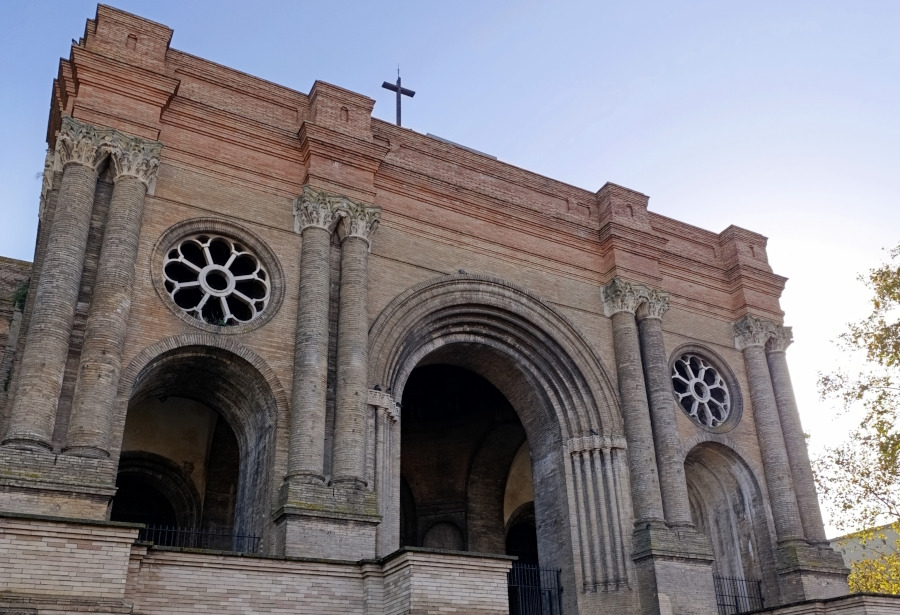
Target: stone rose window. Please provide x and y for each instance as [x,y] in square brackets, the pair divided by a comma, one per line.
[701,391]
[216,280]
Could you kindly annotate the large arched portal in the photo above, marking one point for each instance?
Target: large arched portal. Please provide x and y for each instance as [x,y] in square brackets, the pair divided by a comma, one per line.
[556,395]
[197,447]
[727,505]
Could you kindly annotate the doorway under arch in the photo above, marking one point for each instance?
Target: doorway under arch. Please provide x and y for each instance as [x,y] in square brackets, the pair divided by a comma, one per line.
[199,432]
[727,505]
[562,398]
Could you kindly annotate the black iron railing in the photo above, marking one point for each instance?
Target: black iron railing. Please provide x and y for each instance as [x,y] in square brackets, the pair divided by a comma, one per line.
[736,595]
[193,538]
[534,590]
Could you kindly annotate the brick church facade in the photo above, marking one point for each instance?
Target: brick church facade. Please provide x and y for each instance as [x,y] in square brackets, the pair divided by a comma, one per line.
[337,366]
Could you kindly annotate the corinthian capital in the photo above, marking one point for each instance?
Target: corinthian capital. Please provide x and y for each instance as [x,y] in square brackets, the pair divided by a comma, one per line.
[79,143]
[317,208]
[134,157]
[782,337]
[752,331]
[622,296]
[655,304]
[360,220]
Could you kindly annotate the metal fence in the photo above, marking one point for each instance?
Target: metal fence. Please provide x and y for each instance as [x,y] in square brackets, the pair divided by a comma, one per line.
[736,595]
[534,590]
[193,538]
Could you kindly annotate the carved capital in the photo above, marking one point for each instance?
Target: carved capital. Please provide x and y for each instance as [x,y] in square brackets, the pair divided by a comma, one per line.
[752,331]
[654,305]
[317,208]
[595,442]
[782,337]
[134,157]
[79,143]
[360,220]
[622,296]
[384,402]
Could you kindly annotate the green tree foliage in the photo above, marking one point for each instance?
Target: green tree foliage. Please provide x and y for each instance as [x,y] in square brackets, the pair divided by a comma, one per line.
[860,479]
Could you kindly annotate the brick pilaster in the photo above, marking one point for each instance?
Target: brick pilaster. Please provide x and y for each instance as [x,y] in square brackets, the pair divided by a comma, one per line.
[794,439]
[672,482]
[135,162]
[620,300]
[80,151]
[751,335]
[315,216]
[356,228]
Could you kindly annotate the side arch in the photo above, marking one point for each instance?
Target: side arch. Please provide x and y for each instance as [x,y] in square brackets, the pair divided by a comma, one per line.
[241,388]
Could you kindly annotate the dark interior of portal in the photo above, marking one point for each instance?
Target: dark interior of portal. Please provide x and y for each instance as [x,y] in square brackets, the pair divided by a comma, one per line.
[466,468]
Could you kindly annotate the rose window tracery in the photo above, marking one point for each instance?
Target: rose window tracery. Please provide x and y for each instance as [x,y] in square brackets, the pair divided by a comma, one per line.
[216,280]
[700,390]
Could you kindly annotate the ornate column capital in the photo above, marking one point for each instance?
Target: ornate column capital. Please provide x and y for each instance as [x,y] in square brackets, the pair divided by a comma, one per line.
[384,402]
[79,143]
[317,208]
[782,337]
[752,331]
[134,157]
[360,220]
[622,296]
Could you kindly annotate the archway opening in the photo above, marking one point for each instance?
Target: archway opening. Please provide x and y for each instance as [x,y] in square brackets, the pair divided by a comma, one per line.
[197,440]
[460,436]
[727,505]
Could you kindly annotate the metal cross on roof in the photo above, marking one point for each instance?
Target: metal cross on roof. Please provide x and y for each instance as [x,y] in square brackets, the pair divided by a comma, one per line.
[401,91]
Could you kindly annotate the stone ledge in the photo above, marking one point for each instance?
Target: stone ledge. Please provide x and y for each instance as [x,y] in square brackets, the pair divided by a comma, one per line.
[665,542]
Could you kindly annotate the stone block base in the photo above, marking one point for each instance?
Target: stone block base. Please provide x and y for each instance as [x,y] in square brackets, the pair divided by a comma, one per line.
[51,567]
[674,570]
[319,520]
[42,483]
[808,572]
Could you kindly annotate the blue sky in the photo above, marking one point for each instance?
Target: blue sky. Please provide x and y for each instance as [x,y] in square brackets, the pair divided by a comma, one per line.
[780,117]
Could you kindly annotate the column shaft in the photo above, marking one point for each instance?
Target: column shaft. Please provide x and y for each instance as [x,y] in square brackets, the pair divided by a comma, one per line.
[665,431]
[772,447]
[93,406]
[636,415]
[352,364]
[47,344]
[795,442]
[307,449]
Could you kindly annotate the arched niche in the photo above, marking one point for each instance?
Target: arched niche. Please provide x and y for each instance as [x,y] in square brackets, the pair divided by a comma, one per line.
[727,505]
[242,393]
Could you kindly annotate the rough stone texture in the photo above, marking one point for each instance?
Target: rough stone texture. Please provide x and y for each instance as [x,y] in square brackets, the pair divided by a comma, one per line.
[101,355]
[662,415]
[47,342]
[794,438]
[782,497]
[477,265]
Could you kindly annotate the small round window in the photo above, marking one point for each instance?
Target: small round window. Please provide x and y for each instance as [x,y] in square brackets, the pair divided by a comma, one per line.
[216,280]
[701,391]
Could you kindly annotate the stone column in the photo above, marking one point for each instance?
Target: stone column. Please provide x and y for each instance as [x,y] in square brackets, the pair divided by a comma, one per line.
[620,300]
[662,411]
[135,162]
[750,336]
[794,439]
[356,229]
[387,470]
[315,216]
[80,151]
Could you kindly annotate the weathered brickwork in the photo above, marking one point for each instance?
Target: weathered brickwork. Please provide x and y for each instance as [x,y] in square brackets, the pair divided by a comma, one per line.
[271,269]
